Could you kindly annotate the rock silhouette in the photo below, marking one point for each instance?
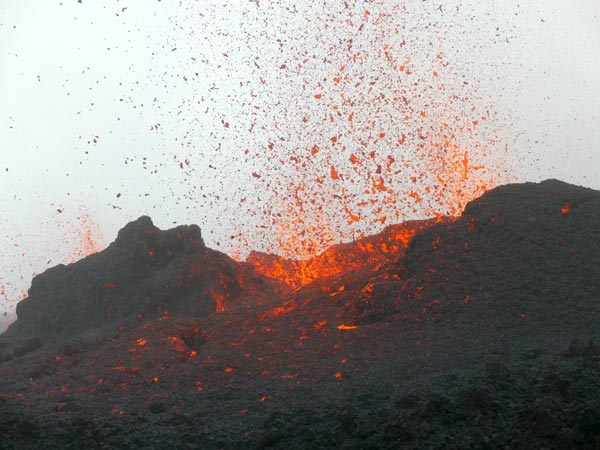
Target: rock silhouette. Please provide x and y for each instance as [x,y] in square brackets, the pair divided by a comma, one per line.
[146,273]
[478,331]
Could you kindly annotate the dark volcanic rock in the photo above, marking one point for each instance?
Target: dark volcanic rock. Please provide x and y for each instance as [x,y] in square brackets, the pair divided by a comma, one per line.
[520,255]
[482,333]
[157,407]
[145,273]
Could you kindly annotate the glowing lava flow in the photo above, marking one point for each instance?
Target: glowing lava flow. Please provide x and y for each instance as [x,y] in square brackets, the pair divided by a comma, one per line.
[370,251]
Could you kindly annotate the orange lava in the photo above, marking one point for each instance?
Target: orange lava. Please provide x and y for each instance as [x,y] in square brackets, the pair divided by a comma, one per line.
[219,302]
[397,138]
[337,259]
[88,237]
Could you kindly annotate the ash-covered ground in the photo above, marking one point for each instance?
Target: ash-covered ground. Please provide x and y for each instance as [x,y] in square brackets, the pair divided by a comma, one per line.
[479,332]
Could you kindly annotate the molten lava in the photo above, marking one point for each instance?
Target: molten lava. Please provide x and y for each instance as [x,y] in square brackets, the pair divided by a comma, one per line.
[370,251]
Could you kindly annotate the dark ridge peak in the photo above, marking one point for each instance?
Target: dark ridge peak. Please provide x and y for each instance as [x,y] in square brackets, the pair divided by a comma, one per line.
[145,273]
[533,199]
[142,221]
[141,229]
[559,184]
[144,229]
[530,246]
[137,228]
[147,244]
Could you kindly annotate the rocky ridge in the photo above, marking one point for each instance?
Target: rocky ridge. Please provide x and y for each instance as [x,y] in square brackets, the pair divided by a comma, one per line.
[479,332]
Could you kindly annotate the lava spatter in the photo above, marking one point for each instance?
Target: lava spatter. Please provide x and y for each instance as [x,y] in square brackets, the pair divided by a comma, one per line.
[378,123]
[89,238]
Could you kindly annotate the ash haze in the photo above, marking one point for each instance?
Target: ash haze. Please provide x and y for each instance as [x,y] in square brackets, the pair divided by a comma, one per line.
[277,125]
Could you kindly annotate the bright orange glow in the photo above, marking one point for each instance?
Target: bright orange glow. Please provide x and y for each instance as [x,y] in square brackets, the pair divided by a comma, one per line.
[338,375]
[141,342]
[219,301]
[87,237]
[334,174]
[346,327]
[364,173]
[340,258]
[565,209]
[277,311]
[320,325]
[339,291]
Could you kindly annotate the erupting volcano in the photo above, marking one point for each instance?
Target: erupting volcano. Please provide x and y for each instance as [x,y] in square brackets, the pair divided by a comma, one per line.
[330,248]
[472,331]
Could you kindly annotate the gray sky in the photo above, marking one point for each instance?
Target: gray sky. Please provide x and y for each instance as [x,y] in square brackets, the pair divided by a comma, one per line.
[261,121]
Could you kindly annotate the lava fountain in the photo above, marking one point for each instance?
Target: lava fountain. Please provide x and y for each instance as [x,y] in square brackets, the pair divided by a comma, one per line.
[382,120]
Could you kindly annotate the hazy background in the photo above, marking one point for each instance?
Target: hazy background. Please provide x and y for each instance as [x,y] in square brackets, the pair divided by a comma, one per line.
[209,112]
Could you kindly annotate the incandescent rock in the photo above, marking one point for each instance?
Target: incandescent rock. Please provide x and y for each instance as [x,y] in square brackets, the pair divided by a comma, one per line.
[370,251]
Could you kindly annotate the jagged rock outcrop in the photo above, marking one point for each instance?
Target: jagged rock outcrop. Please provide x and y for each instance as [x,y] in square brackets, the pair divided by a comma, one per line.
[144,273]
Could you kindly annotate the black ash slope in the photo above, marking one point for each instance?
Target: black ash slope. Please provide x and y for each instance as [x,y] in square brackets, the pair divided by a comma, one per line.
[481,334]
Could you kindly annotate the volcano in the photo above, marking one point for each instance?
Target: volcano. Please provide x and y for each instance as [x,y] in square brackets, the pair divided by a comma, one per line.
[478,331]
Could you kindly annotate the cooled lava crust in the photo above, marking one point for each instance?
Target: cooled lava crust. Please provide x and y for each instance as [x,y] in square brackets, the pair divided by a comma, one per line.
[479,332]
